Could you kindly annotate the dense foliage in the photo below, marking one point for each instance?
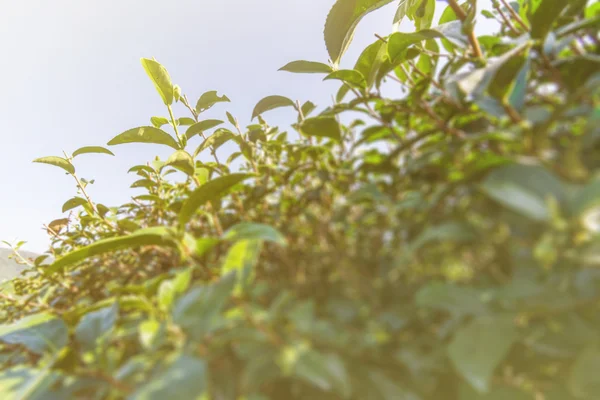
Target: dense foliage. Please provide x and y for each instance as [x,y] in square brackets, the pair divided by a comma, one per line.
[440,243]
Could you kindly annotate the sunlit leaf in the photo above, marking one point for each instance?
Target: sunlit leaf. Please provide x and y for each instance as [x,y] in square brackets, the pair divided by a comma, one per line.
[38,332]
[322,127]
[478,348]
[210,191]
[73,202]
[349,76]
[145,134]
[202,126]
[95,325]
[254,231]
[182,161]
[341,22]
[271,103]
[306,67]
[160,78]
[159,236]
[184,378]
[57,162]
[92,149]
[197,311]
[209,99]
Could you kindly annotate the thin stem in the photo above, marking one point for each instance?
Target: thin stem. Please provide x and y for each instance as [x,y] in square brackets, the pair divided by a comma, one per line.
[516,16]
[505,19]
[460,13]
[174,125]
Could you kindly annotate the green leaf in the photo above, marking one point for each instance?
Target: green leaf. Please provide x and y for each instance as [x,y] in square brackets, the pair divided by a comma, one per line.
[307,108]
[92,149]
[198,310]
[341,23]
[157,122]
[185,378]
[496,393]
[209,99]
[24,383]
[424,14]
[210,191]
[149,333]
[518,88]
[583,379]
[505,78]
[478,348]
[544,16]
[230,118]
[324,371]
[143,183]
[185,121]
[182,161]
[57,162]
[204,245]
[145,134]
[524,189]
[402,10]
[593,10]
[585,199]
[170,289]
[147,197]
[241,260]
[475,83]
[370,61]
[399,42]
[38,332]
[214,141]
[270,103]
[306,67]
[158,236]
[349,76]
[160,78]
[138,168]
[201,126]
[72,203]
[255,231]
[452,298]
[95,325]
[322,127]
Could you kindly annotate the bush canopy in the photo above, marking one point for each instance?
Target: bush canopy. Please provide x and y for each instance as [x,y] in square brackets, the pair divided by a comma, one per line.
[441,243]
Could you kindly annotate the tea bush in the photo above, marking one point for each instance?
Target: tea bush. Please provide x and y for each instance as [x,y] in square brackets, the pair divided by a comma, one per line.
[440,244]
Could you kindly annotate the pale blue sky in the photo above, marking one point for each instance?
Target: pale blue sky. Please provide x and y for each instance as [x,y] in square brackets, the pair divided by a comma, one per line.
[71,77]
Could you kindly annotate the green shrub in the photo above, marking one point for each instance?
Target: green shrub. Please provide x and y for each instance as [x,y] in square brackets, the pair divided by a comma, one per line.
[442,244]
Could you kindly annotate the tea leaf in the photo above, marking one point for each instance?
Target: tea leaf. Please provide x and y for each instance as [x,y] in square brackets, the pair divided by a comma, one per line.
[38,332]
[96,324]
[209,99]
[92,149]
[57,162]
[73,202]
[349,76]
[158,236]
[341,23]
[182,161]
[254,231]
[160,78]
[185,378]
[480,347]
[271,103]
[322,127]
[145,134]
[201,126]
[210,191]
[306,67]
